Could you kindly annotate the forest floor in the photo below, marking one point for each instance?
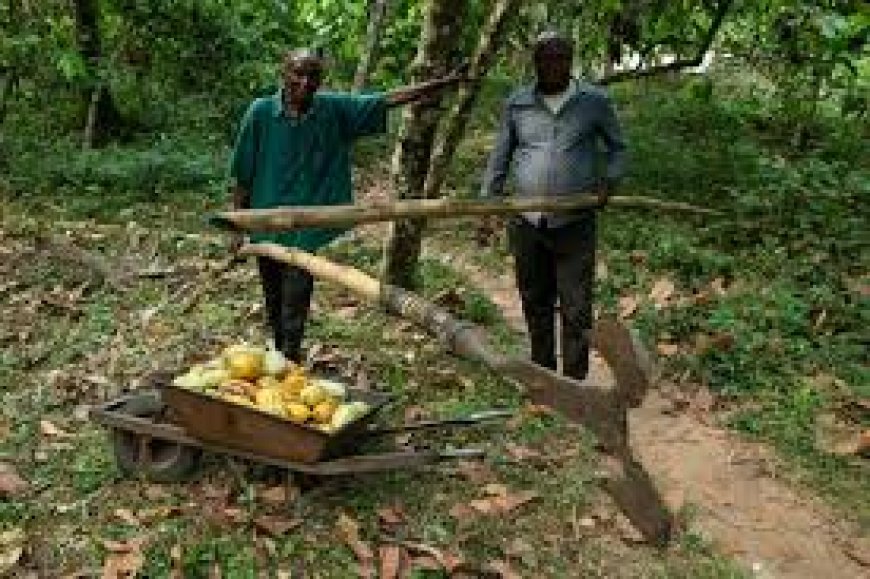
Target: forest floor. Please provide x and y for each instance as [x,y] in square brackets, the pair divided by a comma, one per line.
[753,434]
[76,333]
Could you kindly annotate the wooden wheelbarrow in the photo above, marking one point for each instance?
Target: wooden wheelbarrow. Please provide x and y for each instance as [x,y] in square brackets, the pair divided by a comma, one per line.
[149,442]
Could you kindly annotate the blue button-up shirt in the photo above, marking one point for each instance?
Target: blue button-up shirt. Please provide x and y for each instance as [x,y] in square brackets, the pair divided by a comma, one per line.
[556,154]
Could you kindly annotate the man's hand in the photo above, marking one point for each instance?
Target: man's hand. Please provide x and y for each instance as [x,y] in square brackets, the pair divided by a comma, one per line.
[237,240]
[429,91]
[603,190]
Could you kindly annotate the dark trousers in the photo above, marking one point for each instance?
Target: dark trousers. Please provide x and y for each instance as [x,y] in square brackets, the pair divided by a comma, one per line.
[287,291]
[553,263]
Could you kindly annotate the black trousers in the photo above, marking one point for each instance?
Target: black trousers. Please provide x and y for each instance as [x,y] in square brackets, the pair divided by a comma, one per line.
[557,263]
[287,291]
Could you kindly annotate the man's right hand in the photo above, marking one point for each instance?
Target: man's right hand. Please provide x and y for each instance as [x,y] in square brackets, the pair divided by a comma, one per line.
[237,240]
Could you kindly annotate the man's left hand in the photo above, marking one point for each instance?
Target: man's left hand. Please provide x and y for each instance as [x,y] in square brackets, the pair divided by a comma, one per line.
[603,190]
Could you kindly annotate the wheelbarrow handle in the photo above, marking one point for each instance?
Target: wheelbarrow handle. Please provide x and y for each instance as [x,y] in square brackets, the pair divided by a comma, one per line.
[471,419]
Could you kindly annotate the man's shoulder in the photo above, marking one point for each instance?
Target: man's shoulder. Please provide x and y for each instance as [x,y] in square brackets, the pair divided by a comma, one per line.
[594,91]
[521,96]
[262,107]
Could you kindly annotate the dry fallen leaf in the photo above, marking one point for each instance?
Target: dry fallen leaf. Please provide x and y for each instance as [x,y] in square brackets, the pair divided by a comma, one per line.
[156,492]
[627,306]
[392,516]
[11,484]
[128,546]
[661,292]
[628,532]
[502,503]
[667,350]
[48,428]
[160,513]
[347,312]
[538,410]
[856,445]
[496,489]
[275,525]
[519,549]
[235,515]
[414,414]
[446,560]
[125,558]
[504,570]
[11,549]
[127,517]
[122,565]
[278,495]
[474,472]
[425,563]
[637,257]
[462,513]
[390,557]
[348,530]
[522,453]
[841,438]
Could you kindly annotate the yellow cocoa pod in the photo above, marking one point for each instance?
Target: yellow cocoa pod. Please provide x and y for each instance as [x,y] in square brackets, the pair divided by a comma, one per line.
[323,412]
[297,413]
[245,365]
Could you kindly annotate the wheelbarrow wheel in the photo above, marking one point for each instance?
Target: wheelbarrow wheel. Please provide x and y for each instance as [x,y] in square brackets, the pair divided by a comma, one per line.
[154,459]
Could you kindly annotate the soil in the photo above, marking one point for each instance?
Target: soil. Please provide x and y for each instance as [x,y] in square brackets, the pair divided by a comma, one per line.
[728,487]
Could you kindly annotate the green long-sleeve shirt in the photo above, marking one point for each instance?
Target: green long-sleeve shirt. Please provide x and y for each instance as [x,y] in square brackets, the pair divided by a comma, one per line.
[283,161]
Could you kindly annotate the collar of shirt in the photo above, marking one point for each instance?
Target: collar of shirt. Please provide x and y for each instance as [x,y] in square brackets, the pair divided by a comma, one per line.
[529,96]
[555,102]
[279,111]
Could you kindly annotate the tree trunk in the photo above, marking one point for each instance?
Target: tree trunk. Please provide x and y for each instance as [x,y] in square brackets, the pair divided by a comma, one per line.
[414,147]
[101,116]
[452,128]
[369,56]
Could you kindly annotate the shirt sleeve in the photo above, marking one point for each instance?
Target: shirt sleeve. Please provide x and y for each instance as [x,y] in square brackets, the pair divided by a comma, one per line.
[364,114]
[243,159]
[611,133]
[500,159]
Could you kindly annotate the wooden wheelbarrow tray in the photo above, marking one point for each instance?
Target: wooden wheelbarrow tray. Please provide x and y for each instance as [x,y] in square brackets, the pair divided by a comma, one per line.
[147,444]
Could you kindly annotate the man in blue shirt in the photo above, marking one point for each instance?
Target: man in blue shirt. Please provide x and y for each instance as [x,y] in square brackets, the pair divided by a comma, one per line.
[551,133]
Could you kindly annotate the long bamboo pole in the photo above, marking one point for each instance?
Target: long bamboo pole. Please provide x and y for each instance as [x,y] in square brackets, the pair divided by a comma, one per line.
[300,217]
[601,411]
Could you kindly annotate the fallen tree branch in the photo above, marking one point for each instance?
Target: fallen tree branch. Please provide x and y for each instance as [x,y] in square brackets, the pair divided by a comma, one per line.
[299,217]
[603,411]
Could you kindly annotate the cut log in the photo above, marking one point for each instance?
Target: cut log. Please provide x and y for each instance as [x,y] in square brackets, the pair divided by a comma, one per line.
[602,411]
[300,217]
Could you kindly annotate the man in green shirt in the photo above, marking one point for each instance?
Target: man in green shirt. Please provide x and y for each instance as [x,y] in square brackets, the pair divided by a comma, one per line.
[294,148]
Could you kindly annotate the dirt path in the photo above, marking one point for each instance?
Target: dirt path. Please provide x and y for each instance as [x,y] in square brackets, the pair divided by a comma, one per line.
[729,485]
